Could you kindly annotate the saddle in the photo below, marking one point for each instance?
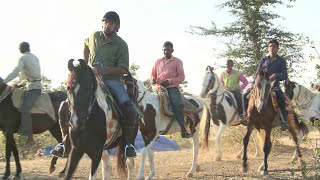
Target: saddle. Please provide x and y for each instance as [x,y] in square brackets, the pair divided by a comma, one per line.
[190,106]
[43,105]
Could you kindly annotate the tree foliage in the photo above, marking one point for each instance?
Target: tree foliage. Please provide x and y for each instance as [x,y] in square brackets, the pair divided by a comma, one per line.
[246,38]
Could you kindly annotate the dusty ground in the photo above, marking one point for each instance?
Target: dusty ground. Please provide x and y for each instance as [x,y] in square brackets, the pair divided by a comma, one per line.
[176,164]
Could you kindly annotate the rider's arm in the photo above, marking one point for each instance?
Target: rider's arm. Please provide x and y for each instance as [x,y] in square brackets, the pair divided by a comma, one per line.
[153,75]
[283,75]
[259,67]
[15,71]
[244,81]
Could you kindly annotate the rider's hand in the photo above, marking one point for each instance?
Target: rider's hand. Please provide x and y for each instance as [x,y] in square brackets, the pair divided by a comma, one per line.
[154,81]
[272,77]
[97,71]
[164,83]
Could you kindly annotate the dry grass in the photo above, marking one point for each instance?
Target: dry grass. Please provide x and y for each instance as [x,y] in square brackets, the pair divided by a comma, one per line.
[176,164]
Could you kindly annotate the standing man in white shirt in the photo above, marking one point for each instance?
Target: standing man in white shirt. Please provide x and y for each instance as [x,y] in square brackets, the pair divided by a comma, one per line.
[29,68]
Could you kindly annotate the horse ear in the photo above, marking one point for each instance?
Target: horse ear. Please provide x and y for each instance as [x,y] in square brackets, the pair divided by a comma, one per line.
[70,65]
[82,63]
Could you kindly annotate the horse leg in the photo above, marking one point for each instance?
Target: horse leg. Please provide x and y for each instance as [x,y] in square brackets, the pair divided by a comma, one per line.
[106,165]
[143,159]
[73,160]
[95,161]
[8,155]
[151,162]
[297,141]
[56,133]
[130,166]
[266,150]
[258,140]
[218,139]
[62,173]
[16,158]
[245,146]
[195,140]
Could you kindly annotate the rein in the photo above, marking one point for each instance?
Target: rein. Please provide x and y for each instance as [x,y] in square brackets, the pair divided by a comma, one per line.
[5,93]
[306,105]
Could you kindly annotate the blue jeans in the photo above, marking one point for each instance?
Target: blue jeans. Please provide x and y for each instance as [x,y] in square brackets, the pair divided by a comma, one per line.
[30,98]
[117,90]
[176,105]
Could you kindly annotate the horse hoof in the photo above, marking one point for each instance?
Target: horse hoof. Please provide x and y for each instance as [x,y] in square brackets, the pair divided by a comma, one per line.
[294,158]
[16,177]
[264,173]
[198,168]
[218,158]
[60,175]
[51,170]
[5,177]
[189,175]
[245,169]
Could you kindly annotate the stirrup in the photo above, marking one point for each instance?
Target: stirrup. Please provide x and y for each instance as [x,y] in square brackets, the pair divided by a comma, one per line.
[129,146]
[56,148]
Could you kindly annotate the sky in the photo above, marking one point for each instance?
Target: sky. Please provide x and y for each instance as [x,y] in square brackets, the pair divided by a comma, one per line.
[56,31]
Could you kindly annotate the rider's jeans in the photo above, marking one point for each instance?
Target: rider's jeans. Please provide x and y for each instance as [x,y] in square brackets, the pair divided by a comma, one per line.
[176,105]
[30,98]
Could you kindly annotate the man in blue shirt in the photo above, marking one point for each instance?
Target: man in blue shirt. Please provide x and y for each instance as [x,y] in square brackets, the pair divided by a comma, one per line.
[277,68]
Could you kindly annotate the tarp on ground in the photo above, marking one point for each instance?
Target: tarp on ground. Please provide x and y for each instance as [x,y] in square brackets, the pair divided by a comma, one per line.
[160,144]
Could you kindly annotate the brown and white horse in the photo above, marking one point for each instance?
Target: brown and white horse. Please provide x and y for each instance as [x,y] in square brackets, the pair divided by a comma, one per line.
[93,126]
[223,109]
[263,116]
[154,124]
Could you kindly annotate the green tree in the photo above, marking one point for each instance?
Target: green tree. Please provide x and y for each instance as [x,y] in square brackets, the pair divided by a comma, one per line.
[133,69]
[247,36]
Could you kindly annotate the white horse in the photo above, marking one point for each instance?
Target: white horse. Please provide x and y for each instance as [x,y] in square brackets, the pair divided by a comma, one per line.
[154,124]
[223,109]
[307,100]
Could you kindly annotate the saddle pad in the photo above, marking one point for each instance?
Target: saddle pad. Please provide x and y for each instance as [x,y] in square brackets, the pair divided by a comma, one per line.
[189,107]
[43,105]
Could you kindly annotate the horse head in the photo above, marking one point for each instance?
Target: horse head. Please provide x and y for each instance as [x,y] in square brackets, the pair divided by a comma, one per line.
[131,84]
[208,82]
[81,86]
[263,87]
[142,91]
[291,89]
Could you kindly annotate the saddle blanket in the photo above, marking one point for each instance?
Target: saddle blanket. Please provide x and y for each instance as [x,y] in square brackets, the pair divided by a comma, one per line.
[43,105]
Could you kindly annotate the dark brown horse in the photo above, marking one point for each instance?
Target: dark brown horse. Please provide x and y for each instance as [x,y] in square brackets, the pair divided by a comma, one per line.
[10,122]
[264,116]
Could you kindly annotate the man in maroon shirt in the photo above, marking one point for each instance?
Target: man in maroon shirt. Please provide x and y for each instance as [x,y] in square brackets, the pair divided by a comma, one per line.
[168,72]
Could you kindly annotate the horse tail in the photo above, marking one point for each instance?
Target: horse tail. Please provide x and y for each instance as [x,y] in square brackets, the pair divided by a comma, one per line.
[121,159]
[301,126]
[205,128]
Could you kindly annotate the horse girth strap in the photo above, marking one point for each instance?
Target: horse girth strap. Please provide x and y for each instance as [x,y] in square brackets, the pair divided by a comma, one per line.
[167,128]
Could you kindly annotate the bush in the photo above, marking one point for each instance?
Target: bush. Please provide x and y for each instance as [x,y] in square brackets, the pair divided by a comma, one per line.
[42,141]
